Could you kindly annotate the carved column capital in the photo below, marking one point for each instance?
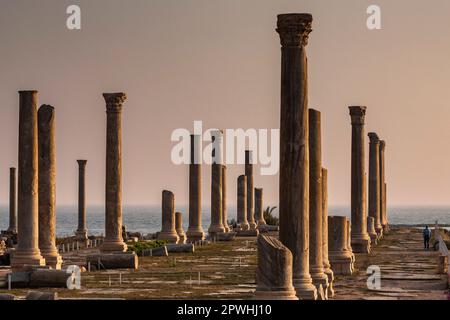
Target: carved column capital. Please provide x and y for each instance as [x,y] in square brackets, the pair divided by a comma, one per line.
[357,114]
[294,29]
[114,101]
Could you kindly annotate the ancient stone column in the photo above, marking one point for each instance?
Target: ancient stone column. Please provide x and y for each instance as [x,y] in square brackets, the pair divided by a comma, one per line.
[383,218]
[195,230]
[27,252]
[113,215]
[320,279]
[224,199]
[12,201]
[274,272]
[340,257]
[294,154]
[216,225]
[385,207]
[348,248]
[371,230]
[360,237]
[168,230]
[374,181]
[250,200]
[242,203]
[179,227]
[47,186]
[259,214]
[326,261]
[81,233]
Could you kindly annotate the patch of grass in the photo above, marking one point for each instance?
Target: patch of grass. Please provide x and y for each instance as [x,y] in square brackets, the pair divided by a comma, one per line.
[138,247]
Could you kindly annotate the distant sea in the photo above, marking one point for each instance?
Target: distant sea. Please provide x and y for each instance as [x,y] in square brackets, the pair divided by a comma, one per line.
[147,219]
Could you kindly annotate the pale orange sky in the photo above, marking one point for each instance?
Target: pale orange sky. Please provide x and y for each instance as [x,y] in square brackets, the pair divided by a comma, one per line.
[219,61]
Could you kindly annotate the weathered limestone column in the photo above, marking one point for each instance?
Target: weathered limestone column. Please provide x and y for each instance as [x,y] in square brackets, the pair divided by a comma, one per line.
[340,257]
[274,272]
[195,230]
[179,227]
[47,186]
[216,225]
[349,243]
[27,252]
[383,217]
[360,237]
[374,181]
[81,233]
[250,200]
[320,279]
[12,201]
[371,230]
[224,199]
[326,261]
[294,154]
[259,215]
[113,215]
[242,203]
[168,229]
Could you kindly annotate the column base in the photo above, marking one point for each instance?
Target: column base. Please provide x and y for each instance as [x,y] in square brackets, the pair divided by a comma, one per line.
[330,275]
[227,228]
[182,237]
[169,236]
[341,262]
[252,225]
[194,235]
[386,228]
[214,229]
[21,259]
[52,259]
[276,294]
[243,226]
[320,281]
[360,244]
[113,246]
[379,231]
[304,289]
[373,238]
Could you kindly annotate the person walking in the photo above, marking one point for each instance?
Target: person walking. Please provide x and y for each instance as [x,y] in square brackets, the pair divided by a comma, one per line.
[426,238]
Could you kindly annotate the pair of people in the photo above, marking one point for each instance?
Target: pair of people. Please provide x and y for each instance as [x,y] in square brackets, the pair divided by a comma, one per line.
[426,237]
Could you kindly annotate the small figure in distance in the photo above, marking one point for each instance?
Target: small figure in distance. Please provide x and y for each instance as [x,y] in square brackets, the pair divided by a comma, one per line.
[426,237]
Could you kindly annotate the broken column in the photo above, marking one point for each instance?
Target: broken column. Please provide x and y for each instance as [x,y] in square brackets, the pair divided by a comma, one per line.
[383,216]
[294,30]
[12,201]
[250,200]
[274,272]
[374,181]
[27,252]
[81,233]
[113,207]
[340,257]
[259,213]
[224,199]
[216,225]
[195,230]
[320,279]
[360,237]
[168,230]
[242,222]
[47,186]
[326,262]
[179,227]
[371,230]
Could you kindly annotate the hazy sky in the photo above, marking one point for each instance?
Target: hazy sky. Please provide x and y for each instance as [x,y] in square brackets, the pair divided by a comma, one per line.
[219,61]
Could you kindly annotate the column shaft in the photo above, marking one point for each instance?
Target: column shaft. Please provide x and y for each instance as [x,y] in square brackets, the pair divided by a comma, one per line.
[325,259]
[224,199]
[242,203]
[216,186]
[81,232]
[374,181]
[168,229]
[250,200]
[12,201]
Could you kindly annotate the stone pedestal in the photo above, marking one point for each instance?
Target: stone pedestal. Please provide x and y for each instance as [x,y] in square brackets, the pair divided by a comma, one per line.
[179,227]
[294,30]
[81,233]
[224,200]
[320,279]
[371,230]
[374,182]
[360,237]
[274,272]
[27,252]
[340,257]
[250,199]
[326,262]
[47,186]
[168,230]
[216,185]
[259,213]
[195,230]
[12,201]
[242,203]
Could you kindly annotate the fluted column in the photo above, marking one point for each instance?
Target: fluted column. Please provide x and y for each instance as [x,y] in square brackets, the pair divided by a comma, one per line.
[113,215]
[383,216]
[12,201]
[250,199]
[81,233]
[360,237]
[326,262]
[216,185]
[374,181]
[27,252]
[224,199]
[195,230]
[294,30]
[242,203]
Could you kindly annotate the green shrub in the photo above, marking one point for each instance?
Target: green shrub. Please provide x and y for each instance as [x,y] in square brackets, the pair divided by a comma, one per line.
[138,247]
[268,216]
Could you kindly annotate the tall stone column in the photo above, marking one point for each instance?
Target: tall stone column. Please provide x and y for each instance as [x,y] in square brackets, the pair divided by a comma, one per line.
[195,230]
[326,262]
[47,186]
[168,229]
[360,237]
[259,211]
[320,279]
[12,201]
[374,181]
[113,215]
[250,200]
[216,186]
[294,154]
[81,233]
[383,217]
[27,252]
[224,199]
[242,203]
